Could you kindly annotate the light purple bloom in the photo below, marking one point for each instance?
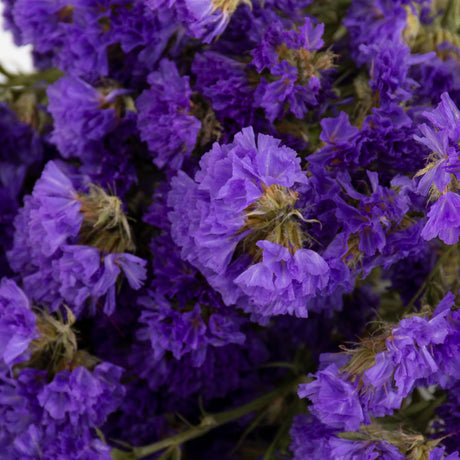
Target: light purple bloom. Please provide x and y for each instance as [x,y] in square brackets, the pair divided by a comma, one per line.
[335,400]
[444,219]
[212,216]
[54,266]
[18,324]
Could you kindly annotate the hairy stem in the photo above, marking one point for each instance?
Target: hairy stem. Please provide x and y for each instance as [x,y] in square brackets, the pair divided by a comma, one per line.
[208,423]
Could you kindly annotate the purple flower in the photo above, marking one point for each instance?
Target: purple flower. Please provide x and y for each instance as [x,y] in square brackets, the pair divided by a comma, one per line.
[88,125]
[42,419]
[446,117]
[335,400]
[296,77]
[39,442]
[71,34]
[378,213]
[363,450]
[443,143]
[81,397]
[206,19]
[411,355]
[225,83]
[444,219]
[18,325]
[165,121]
[273,97]
[81,115]
[310,438]
[281,281]
[439,453]
[237,223]
[50,251]
[390,63]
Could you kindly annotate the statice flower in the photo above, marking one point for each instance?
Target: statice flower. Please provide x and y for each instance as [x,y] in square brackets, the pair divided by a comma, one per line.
[182,313]
[37,442]
[374,22]
[204,19]
[82,115]
[441,174]
[17,324]
[408,359]
[390,63]
[237,223]
[309,438]
[186,316]
[88,123]
[225,369]
[45,419]
[296,70]
[443,161]
[439,453]
[378,214]
[70,245]
[21,150]
[444,219]
[224,81]
[143,34]
[82,398]
[335,400]
[165,119]
[384,369]
[341,143]
[365,450]
[73,33]
[449,415]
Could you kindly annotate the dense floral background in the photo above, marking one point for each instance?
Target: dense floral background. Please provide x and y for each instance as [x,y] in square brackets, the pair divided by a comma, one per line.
[229,230]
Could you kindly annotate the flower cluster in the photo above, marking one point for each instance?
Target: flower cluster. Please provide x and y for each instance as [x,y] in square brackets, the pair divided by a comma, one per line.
[229,229]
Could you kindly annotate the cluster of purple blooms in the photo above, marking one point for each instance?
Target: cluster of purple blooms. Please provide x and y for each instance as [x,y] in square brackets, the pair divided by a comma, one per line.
[229,229]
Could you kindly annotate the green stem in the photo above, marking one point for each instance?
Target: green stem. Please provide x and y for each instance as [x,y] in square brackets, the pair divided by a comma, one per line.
[208,423]
[451,14]
[5,72]
[428,279]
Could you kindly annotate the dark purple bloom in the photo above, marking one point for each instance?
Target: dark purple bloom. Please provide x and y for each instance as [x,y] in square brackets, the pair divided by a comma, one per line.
[390,62]
[39,442]
[410,357]
[81,113]
[296,73]
[21,150]
[165,120]
[81,397]
[378,213]
[310,438]
[224,81]
[88,126]
[41,419]
[73,35]
[442,141]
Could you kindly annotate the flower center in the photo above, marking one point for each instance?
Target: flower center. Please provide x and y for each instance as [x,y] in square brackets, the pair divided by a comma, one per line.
[273,218]
[229,6]
[104,226]
[308,62]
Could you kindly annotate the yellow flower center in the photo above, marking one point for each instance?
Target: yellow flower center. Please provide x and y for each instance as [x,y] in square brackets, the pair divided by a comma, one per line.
[273,218]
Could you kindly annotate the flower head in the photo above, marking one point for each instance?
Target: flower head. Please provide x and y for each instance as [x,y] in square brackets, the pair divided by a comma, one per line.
[238,224]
